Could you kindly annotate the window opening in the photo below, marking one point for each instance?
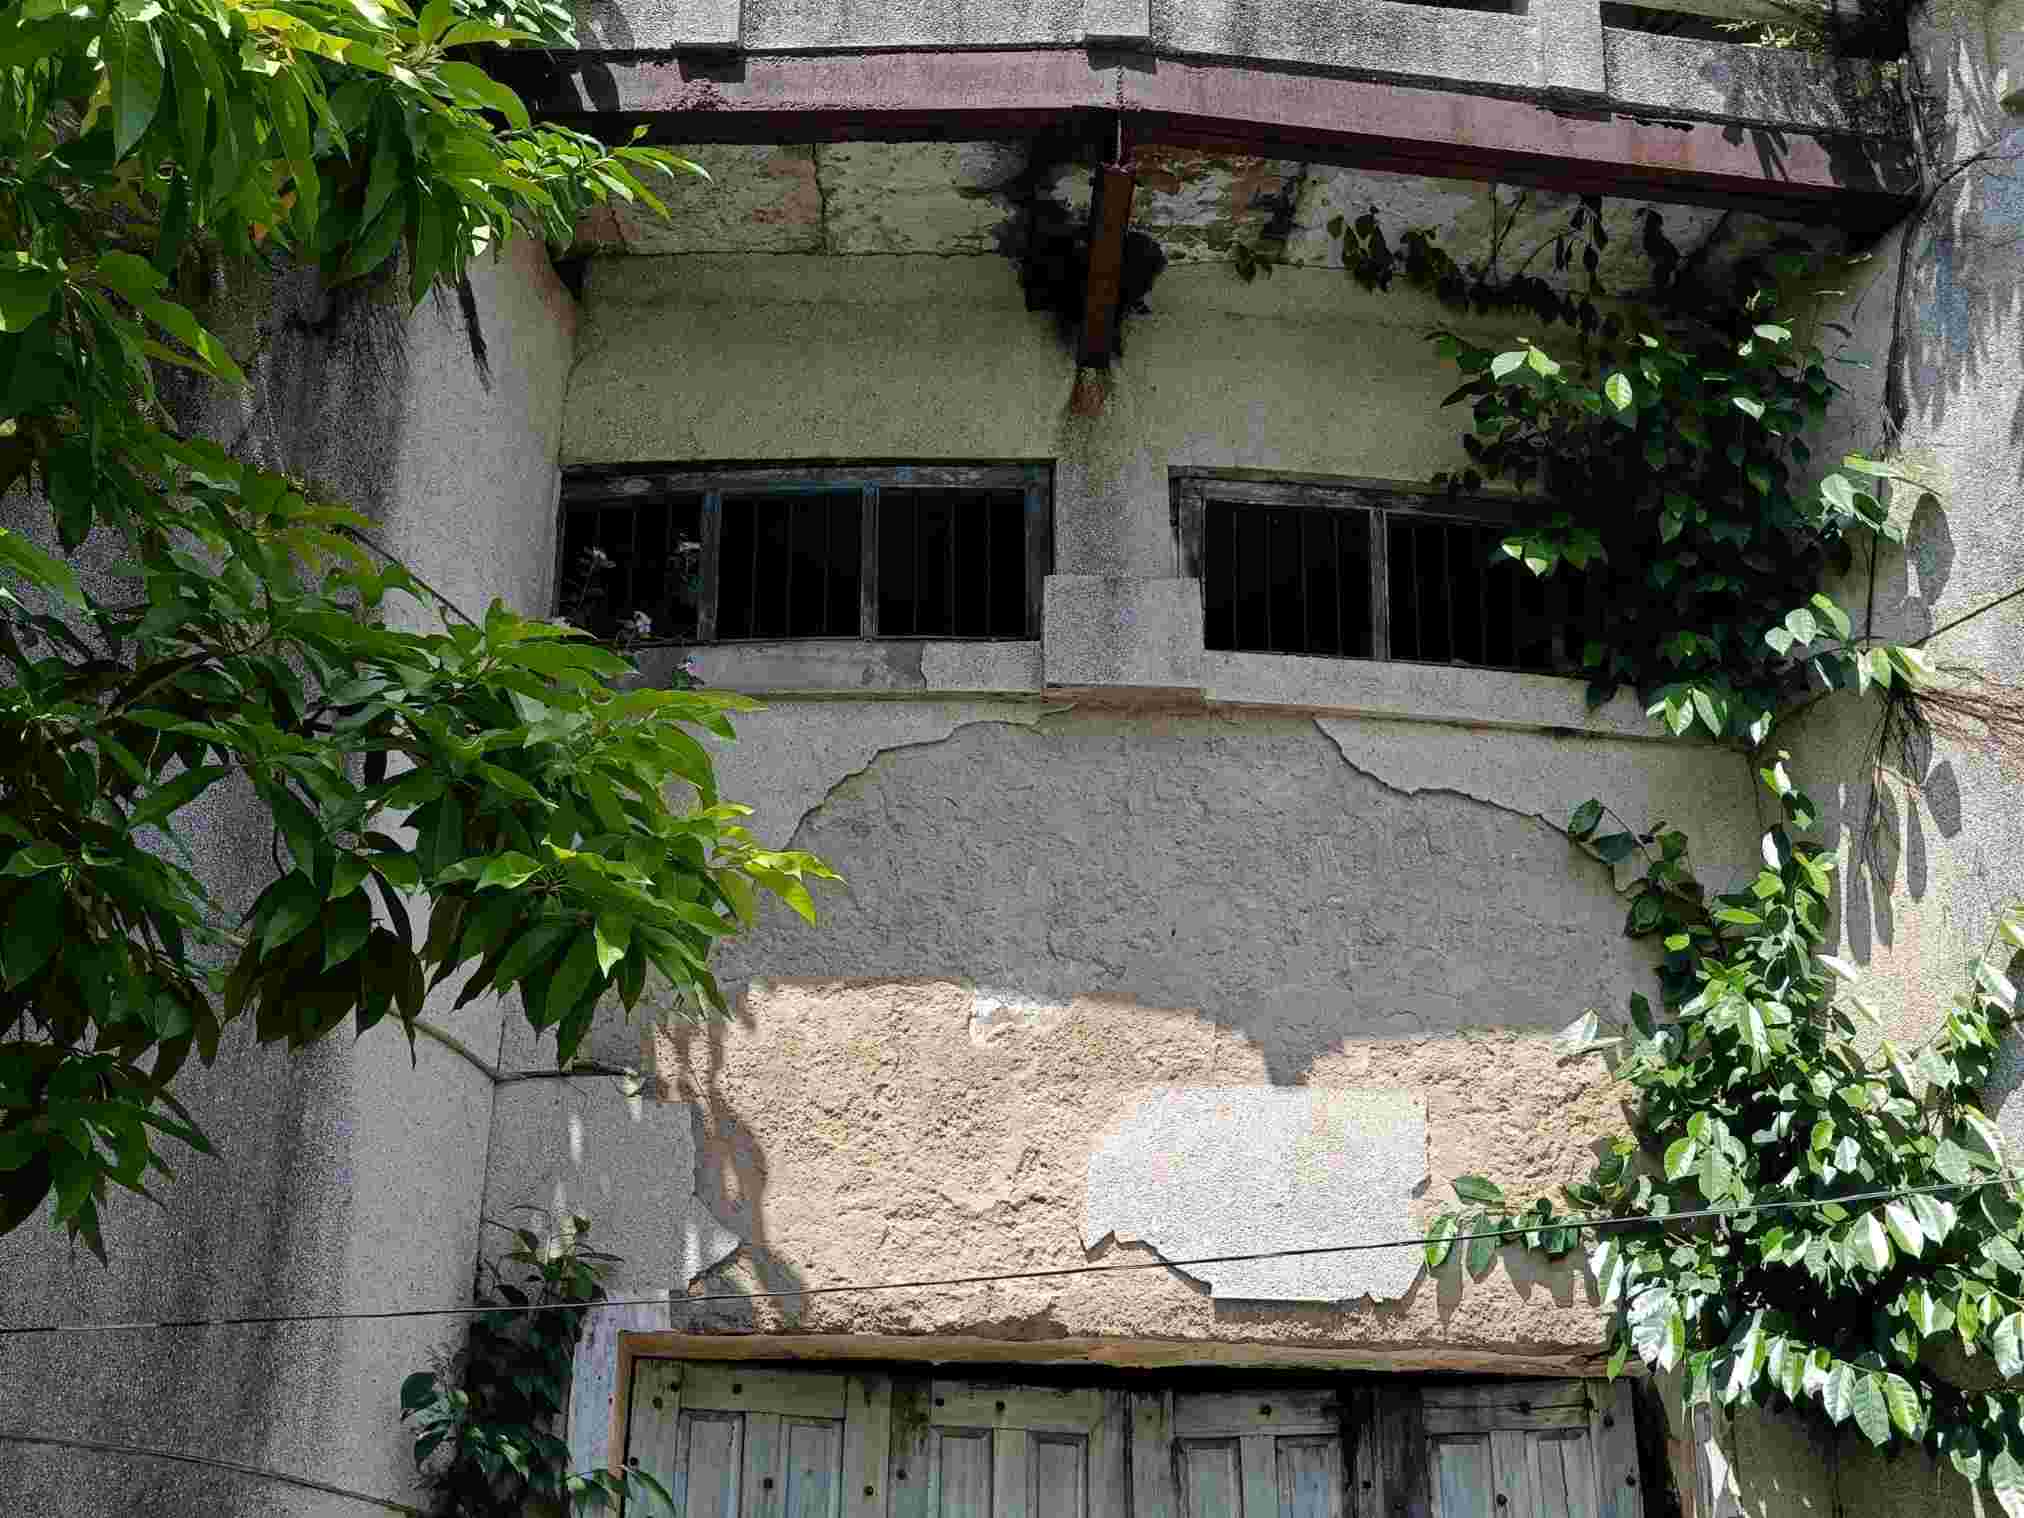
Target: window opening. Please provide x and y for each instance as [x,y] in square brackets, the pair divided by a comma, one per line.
[1362,572]
[954,551]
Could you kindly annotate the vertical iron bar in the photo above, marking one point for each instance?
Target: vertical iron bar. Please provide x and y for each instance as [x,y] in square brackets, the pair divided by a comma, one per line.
[752,569]
[870,514]
[1419,600]
[632,564]
[792,506]
[1306,601]
[1378,529]
[1341,583]
[1448,584]
[828,553]
[1236,579]
[1039,549]
[1483,597]
[990,626]
[920,517]
[1266,516]
[712,568]
[949,584]
[665,611]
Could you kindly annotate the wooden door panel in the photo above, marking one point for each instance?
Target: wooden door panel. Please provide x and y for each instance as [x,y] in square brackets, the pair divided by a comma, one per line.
[1210,1478]
[1310,1477]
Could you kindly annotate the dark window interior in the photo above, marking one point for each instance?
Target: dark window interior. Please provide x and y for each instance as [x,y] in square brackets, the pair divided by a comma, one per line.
[951,563]
[623,559]
[790,565]
[1288,569]
[665,554]
[1287,579]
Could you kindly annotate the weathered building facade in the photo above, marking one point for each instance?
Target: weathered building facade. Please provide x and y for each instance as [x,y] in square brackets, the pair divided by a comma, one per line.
[938,420]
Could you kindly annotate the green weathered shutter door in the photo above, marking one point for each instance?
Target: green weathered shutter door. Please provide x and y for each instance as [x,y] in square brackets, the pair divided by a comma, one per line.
[1532,1449]
[977,1449]
[732,1441]
[1274,1453]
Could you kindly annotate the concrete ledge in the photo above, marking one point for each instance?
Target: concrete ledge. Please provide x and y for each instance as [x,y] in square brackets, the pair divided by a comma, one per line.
[798,25]
[1117,22]
[624,26]
[1419,693]
[1381,36]
[1726,81]
[854,666]
[1113,630]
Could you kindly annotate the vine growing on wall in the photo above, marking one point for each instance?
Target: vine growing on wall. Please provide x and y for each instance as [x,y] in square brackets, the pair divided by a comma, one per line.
[1805,1215]
[1801,1221]
[1659,454]
[487,1421]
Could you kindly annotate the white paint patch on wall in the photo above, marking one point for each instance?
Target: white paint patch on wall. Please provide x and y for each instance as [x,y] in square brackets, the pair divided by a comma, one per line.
[1203,1171]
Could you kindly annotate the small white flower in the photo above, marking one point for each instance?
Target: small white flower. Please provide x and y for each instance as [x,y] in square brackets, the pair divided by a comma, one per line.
[599,559]
[642,625]
[690,666]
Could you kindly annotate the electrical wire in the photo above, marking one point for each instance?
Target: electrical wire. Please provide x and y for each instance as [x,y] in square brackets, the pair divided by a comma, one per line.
[100,1446]
[671,1298]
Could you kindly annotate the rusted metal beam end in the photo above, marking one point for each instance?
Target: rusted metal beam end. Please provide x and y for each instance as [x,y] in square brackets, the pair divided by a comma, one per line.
[1861,182]
[1109,216]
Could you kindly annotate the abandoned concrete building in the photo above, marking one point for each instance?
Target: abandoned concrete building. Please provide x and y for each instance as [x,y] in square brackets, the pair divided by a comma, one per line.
[1179,919]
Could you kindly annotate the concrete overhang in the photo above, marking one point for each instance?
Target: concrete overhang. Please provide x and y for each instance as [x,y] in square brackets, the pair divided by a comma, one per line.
[1857,179]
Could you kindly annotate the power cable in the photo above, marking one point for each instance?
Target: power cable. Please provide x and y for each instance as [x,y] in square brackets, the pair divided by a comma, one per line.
[673,1299]
[99,1446]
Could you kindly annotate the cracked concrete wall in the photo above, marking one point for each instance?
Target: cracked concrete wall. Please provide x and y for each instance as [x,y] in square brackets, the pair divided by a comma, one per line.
[347,1177]
[1052,916]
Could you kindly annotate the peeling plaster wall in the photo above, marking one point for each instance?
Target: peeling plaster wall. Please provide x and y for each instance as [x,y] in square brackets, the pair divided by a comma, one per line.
[347,1177]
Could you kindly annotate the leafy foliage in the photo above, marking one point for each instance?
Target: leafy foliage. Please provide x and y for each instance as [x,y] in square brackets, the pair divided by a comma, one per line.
[1662,457]
[1866,1221]
[486,1424]
[240,645]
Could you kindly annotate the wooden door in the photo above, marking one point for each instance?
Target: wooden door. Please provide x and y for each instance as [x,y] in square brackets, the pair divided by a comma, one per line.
[981,1449]
[1270,1453]
[731,1441]
[1532,1449]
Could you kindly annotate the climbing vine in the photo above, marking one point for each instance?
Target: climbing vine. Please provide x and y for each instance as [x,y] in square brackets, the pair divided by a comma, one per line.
[485,1422]
[1659,455]
[1797,1222]
[1804,1215]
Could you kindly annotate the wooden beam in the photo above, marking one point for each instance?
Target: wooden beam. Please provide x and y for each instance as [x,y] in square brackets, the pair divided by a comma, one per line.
[1243,107]
[1109,215]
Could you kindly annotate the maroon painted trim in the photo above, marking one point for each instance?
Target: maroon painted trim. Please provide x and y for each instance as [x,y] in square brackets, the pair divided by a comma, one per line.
[954,96]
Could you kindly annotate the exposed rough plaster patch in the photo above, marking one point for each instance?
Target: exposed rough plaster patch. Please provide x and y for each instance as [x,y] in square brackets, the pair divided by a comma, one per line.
[1205,1171]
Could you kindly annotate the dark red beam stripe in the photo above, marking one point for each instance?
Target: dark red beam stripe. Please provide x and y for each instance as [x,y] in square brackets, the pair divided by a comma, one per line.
[1241,107]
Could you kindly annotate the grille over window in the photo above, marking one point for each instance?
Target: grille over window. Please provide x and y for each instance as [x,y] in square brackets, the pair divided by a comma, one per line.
[1341,571]
[955,551]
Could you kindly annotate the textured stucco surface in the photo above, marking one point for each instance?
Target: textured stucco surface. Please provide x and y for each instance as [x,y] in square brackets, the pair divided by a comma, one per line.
[1123,630]
[1196,1172]
[348,1177]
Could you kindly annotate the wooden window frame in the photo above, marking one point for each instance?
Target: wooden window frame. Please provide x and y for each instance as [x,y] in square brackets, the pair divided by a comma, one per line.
[1193,489]
[637,485]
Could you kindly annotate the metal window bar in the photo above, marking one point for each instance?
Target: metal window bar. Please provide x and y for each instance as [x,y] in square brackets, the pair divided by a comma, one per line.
[1464,607]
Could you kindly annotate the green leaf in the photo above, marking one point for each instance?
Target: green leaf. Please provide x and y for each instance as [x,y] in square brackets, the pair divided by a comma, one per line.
[1872,1413]
[472,85]
[1750,408]
[1837,1392]
[1904,1228]
[1585,819]
[1617,387]
[509,870]
[1474,1188]
[1482,1246]
[1868,1244]
[1613,848]
[31,563]
[2006,1477]
[25,289]
[133,64]
[2008,1343]
[163,802]
[1836,617]
[287,907]
[1441,1240]
[1506,363]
